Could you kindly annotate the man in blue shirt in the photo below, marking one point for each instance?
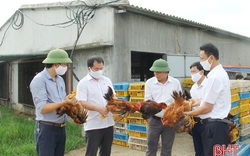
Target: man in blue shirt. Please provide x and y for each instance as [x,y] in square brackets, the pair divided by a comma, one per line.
[48,92]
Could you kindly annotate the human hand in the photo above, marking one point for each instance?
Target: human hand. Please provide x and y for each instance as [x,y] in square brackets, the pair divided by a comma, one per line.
[72,101]
[102,110]
[196,102]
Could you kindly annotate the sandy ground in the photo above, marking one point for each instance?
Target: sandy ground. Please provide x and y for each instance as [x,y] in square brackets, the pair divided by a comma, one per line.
[183,145]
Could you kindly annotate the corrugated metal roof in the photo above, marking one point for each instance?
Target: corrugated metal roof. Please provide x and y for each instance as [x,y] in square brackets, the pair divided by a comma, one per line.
[145,12]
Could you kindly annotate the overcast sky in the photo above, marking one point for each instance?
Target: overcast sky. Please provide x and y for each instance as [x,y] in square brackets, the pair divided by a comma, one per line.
[230,15]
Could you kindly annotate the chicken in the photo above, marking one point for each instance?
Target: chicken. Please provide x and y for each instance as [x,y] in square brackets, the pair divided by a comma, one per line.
[76,112]
[173,115]
[121,108]
[150,108]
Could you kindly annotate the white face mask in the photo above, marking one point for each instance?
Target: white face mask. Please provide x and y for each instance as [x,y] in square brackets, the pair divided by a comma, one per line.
[196,77]
[96,74]
[61,70]
[205,64]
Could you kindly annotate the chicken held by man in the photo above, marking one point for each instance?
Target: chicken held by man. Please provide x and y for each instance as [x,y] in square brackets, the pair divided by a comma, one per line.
[121,108]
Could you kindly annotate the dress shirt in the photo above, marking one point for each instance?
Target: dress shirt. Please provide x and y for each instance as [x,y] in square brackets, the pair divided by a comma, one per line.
[92,91]
[217,93]
[158,92]
[46,90]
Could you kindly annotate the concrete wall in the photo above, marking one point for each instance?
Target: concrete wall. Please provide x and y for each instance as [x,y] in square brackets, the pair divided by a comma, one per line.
[32,38]
[140,33]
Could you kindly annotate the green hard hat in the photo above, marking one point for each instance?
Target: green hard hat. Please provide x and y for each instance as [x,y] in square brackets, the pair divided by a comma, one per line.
[160,65]
[57,56]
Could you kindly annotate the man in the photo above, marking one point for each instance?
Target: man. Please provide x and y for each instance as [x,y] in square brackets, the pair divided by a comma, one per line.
[90,91]
[198,75]
[239,77]
[48,92]
[216,101]
[159,89]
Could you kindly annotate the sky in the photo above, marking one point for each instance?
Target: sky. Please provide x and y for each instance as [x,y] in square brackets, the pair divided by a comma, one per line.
[229,15]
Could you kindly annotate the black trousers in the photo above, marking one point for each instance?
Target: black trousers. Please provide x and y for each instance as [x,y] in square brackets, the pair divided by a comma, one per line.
[214,133]
[99,138]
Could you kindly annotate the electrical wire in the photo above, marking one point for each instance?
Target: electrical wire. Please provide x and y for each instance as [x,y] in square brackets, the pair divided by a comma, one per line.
[77,12]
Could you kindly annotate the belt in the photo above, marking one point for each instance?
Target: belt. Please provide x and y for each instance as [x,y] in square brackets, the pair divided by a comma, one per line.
[157,118]
[52,123]
[225,120]
[197,119]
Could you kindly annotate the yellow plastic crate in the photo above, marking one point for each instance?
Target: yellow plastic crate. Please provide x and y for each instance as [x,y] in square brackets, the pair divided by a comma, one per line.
[119,142]
[187,82]
[235,97]
[235,90]
[137,134]
[234,110]
[245,113]
[244,101]
[235,134]
[136,99]
[245,119]
[136,93]
[122,93]
[137,86]
[243,108]
[135,115]
[137,120]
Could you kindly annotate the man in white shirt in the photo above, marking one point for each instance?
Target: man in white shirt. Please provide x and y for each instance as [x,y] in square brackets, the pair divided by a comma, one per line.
[216,102]
[198,75]
[90,91]
[159,89]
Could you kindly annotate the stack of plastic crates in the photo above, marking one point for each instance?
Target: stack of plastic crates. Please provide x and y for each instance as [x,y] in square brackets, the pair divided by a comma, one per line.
[244,109]
[136,91]
[235,111]
[121,90]
[242,150]
[121,134]
[137,131]
[120,129]
[187,83]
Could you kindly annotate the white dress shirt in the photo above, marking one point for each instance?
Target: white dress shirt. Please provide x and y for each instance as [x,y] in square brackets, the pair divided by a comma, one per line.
[158,92]
[92,91]
[217,93]
[197,92]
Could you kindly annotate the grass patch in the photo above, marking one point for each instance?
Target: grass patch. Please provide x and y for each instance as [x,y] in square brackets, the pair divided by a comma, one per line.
[17,134]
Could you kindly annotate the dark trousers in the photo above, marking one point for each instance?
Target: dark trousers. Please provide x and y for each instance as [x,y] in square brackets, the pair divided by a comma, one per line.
[197,133]
[101,138]
[50,140]
[155,130]
[214,133]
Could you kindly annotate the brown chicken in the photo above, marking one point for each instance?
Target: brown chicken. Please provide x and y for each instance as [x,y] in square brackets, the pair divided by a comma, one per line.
[150,108]
[76,112]
[173,115]
[121,108]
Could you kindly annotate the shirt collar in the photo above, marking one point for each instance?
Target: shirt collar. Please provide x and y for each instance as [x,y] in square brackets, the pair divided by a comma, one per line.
[47,74]
[169,80]
[216,68]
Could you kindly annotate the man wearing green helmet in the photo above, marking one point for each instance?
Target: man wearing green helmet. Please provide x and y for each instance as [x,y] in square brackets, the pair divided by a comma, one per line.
[159,89]
[49,93]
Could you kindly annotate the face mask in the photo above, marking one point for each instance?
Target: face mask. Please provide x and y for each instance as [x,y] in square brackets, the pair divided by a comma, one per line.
[205,64]
[96,74]
[196,77]
[61,70]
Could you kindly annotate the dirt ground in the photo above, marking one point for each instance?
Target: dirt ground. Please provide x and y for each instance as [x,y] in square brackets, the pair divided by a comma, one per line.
[183,145]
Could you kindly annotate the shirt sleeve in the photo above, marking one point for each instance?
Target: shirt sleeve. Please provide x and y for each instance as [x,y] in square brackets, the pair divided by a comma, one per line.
[81,91]
[39,93]
[147,93]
